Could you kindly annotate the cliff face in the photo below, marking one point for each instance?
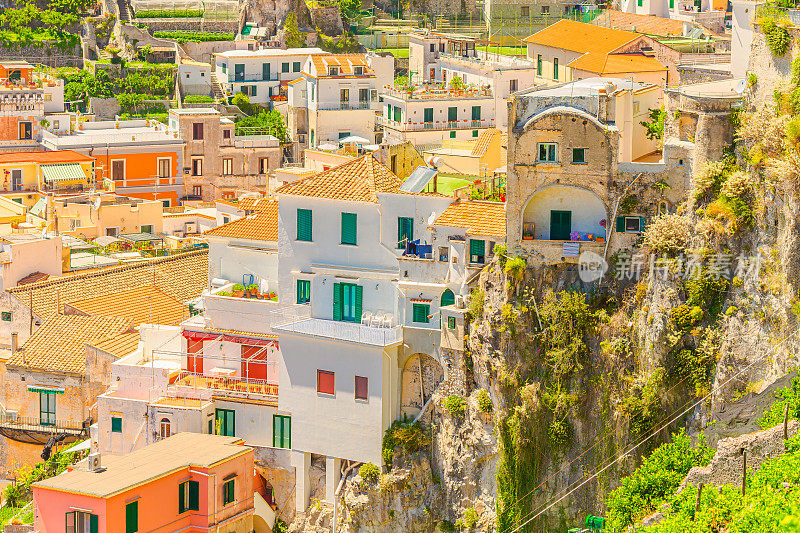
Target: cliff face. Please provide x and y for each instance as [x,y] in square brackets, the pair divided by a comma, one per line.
[579,374]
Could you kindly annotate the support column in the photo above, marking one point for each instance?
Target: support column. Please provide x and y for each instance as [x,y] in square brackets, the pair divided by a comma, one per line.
[333,472]
[301,461]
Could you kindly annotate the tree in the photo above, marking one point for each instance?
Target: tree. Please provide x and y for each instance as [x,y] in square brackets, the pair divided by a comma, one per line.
[456,84]
[265,123]
[655,127]
[294,37]
[350,10]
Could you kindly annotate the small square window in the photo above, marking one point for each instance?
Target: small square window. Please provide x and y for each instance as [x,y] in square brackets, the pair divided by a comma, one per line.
[326,382]
[547,152]
[633,225]
[421,313]
[6,316]
[451,322]
[578,156]
[226,134]
[116,424]
[444,254]
[474,133]
[362,388]
[228,492]
[452,135]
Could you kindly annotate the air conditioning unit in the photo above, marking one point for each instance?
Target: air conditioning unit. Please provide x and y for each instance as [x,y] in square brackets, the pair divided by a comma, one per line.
[474,259]
[11,415]
[460,302]
[178,233]
[191,227]
[93,462]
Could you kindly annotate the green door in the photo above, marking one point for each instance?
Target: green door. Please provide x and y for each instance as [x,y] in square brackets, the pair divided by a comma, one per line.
[347,300]
[281,431]
[448,298]
[238,72]
[560,225]
[132,517]
[452,114]
[428,115]
[226,420]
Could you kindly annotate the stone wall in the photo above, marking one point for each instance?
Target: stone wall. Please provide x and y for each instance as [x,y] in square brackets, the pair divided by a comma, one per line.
[44,53]
[190,24]
[328,20]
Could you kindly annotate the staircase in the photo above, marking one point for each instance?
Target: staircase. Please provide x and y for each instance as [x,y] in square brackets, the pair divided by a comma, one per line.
[216,88]
[124,11]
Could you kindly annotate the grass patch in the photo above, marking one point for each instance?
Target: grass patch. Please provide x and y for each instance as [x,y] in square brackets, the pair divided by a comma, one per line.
[7,513]
[396,52]
[447,183]
[505,50]
[193,36]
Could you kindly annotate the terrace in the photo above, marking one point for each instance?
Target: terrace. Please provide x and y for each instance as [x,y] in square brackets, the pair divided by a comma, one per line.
[37,430]
[203,386]
[438,92]
[372,335]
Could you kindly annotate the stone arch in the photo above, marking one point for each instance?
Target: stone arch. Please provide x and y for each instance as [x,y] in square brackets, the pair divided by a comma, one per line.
[587,211]
[421,375]
[448,298]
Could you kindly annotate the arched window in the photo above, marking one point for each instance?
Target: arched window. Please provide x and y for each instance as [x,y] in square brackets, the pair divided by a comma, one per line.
[165,428]
[448,298]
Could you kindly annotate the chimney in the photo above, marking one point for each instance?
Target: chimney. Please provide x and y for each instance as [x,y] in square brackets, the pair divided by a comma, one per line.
[13,343]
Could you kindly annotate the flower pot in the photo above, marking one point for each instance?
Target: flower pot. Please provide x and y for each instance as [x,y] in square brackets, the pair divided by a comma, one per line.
[238,294]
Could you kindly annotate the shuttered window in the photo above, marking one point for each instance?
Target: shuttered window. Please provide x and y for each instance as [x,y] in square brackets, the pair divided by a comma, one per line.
[304,225]
[326,382]
[362,388]
[303,291]
[116,424]
[132,517]
[451,322]
[349,231]
[347,302]
[428,115]
[228,491]
[476,112]
[405,231]
[477,250]
[281,431]
[81,522]
[226,422]
[188,496]
[420,313]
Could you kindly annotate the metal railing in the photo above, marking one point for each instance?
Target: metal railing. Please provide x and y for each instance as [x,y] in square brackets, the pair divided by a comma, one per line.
[254,77]
[250,386]
[346,331]
[28,423]
[439,125]
[346,106]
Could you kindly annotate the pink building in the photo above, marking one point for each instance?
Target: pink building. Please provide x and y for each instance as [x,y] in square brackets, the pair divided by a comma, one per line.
[189,482]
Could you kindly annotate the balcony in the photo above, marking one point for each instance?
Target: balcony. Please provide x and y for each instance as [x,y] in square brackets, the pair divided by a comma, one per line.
[203,386]
[344,331]
[254,77]
[37,430]
[436,92]
[347,106]
[437,125]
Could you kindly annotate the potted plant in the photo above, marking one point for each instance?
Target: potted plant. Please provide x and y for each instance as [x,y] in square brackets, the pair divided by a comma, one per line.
[238,290]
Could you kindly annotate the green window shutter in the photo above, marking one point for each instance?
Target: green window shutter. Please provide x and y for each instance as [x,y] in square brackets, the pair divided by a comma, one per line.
[349,231]
[642,224]
[132,517]
[194,495]
[420,313]
[303,291]
[428,114]
[539,65]
[304,225]
[405,231]
[620,225]
[359,298]
[296,66]
[448,298]
[287,432]
[116,424]
[476,112]
[451,322]
[337,301]
[452,114]
[555,68]
[93,523]
[181,497]
[276,431]
[398,114]
[477,247]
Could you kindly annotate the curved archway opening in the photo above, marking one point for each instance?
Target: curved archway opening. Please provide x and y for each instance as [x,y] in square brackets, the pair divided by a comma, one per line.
[448,298]
[558,212]
[421,374]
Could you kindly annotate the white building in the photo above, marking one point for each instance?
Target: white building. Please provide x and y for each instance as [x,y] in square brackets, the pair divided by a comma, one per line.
[707,13]
[336,97]
[23,254]
[195,77]
[744,13]
[261,74]
[428,116]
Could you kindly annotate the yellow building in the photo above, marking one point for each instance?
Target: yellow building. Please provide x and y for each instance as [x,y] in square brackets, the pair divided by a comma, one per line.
[472,157]
[23,173]
[89,217]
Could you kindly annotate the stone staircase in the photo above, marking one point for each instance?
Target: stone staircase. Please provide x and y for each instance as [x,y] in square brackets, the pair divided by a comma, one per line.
[216,88]
[124,11]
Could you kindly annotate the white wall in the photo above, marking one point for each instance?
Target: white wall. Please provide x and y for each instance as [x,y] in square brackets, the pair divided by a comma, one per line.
[27,257]
[587,210]
[339,425]
[195,79]
[232,258]
[744,12]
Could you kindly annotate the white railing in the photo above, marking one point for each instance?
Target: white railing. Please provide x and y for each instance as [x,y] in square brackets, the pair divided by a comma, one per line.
[438,125]
[347,331]
[248,386]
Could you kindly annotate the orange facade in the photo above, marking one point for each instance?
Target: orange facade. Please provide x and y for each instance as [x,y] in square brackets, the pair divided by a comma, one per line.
[150,175]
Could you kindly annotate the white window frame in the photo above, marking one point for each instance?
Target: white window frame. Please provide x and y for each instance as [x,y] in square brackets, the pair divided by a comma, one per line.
[116,231]
[539,147]
[227,162]
[638,222]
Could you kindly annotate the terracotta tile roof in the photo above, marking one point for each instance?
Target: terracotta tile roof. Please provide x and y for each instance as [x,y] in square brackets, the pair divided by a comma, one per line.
[59,345]
[648,24]
[181,276]
[358,180]
[53,156]
[118,345]
[345,62]
[140,305]
[478,218]
[260,226]
[486,138]
[250,203]
[181,402]
[580,37]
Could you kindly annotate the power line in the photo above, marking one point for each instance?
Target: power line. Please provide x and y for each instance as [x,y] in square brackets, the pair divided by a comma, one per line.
[653,434]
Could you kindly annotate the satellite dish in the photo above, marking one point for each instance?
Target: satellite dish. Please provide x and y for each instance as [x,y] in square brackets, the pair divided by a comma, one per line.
[96,203]
[432,218]
[741,86]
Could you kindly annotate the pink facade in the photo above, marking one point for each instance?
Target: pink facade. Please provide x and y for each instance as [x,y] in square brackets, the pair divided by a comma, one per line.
[158,508]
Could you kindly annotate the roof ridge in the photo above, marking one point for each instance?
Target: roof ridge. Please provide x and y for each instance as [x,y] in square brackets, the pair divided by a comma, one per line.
[106,271]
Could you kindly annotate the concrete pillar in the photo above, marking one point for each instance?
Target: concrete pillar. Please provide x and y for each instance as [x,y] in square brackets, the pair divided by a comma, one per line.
[333,472]
[301,461]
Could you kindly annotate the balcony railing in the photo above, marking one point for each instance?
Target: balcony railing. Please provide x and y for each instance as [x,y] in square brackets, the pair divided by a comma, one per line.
[254,77]
[231,384]
[345,331]
[437,125]
[26,423]
[346,106]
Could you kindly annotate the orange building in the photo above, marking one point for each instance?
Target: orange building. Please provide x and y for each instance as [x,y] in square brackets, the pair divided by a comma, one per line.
[136,158]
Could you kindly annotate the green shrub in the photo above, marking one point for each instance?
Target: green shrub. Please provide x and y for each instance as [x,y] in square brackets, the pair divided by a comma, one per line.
[237,287]
[476,299]
[410,437]
[656,479]
[185,36]
[559,433]
[197,99]
[730,311]
[484,402]
[694,365]
[515,268]
[685,316]
[668,234]
[643,405]
[168,13]
[774,415]
[280,526]
[454,405]
[707,292]
[469,519]
[446,526]
[369,472]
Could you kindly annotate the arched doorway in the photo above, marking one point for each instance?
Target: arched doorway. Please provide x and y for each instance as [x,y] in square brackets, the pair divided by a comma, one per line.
[448,298]
[421,375]
[556,212]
